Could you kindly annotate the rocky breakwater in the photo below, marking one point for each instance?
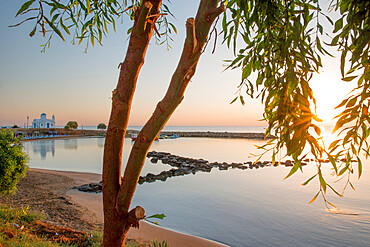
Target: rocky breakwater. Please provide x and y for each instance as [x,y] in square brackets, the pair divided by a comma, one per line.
[209,134]
[185,166]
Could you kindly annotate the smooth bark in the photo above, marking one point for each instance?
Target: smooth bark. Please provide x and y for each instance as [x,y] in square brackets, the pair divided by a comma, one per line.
[114,221]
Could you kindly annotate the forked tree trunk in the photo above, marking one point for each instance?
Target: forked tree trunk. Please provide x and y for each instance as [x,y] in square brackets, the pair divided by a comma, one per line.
[114,221]
[117,194]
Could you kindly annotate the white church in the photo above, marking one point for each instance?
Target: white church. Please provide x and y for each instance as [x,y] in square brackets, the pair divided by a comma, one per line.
[43,122]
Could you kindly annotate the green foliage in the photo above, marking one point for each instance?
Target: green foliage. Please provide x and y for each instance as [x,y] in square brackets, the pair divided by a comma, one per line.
[19,216]
[71,125]
[281,45]
[101,126]
[155,216]
[281,48]
[86,19]
[353,40]
[16,225]
[13,161]
[155,243]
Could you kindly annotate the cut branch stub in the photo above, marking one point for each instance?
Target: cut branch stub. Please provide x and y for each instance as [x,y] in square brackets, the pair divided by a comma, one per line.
[134,216]
[190,34]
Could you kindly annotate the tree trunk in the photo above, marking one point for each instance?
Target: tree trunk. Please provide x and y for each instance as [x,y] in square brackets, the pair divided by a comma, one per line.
[117,195]
[114,222]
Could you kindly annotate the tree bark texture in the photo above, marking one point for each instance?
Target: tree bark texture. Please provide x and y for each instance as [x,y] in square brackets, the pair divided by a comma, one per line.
[114,222]
[117,194]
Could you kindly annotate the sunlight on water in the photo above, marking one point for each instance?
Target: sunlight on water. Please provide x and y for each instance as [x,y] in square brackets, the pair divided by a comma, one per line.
[341,211]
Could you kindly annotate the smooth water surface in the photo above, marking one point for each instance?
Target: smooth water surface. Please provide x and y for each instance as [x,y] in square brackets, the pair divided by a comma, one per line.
[236,207]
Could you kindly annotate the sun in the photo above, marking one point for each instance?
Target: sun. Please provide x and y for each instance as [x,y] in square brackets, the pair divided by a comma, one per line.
[328,92]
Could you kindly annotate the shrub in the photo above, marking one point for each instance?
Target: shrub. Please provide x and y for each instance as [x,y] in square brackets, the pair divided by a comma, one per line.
[155,243]
[13,161]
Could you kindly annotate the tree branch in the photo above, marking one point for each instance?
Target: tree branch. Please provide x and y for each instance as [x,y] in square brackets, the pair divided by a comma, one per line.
[197,32]
[147,6]
[121,107]
[190,34]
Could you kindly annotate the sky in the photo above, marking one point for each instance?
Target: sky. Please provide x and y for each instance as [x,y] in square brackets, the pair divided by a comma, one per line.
[76,86]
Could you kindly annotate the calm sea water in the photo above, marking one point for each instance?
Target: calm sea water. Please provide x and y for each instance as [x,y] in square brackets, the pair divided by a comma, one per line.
[236,207]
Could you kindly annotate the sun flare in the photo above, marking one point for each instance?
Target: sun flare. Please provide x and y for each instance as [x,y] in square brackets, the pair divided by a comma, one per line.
[328,92]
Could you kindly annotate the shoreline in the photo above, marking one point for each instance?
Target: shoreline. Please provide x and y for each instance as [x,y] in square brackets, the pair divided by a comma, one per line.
[92,210]
[129,132]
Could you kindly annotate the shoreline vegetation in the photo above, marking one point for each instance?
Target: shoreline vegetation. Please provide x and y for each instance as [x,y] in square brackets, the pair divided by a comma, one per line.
[31,134]
[50,193]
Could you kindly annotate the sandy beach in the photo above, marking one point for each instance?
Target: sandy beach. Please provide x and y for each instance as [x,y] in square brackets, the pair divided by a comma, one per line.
[51,193]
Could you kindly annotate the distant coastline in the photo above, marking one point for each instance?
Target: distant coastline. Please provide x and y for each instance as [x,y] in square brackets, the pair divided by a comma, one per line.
[62,133]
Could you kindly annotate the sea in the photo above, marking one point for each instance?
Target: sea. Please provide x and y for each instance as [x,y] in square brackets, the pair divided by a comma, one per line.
[252,207]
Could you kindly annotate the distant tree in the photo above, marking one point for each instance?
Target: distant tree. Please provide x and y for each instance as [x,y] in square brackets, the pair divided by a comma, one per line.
[15,126]
[71,125]
[101,126]
[13,161]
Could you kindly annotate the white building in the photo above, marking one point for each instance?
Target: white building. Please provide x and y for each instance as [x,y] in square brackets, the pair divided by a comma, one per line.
[43,122]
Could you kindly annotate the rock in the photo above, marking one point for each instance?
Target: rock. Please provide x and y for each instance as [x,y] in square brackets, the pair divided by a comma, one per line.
[172,171]
[179,172]
[289,163]
[84,188]
[235,165]
[141,180]
[223,167]
[214,164]
[151,154]
[150,180]
[154,160]
[266,163]
[165,160]
[95,188]
[161,177]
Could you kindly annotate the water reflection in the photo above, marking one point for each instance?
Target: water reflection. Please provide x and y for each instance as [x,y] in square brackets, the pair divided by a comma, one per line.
[70,144]
[100,142]
[44,147]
